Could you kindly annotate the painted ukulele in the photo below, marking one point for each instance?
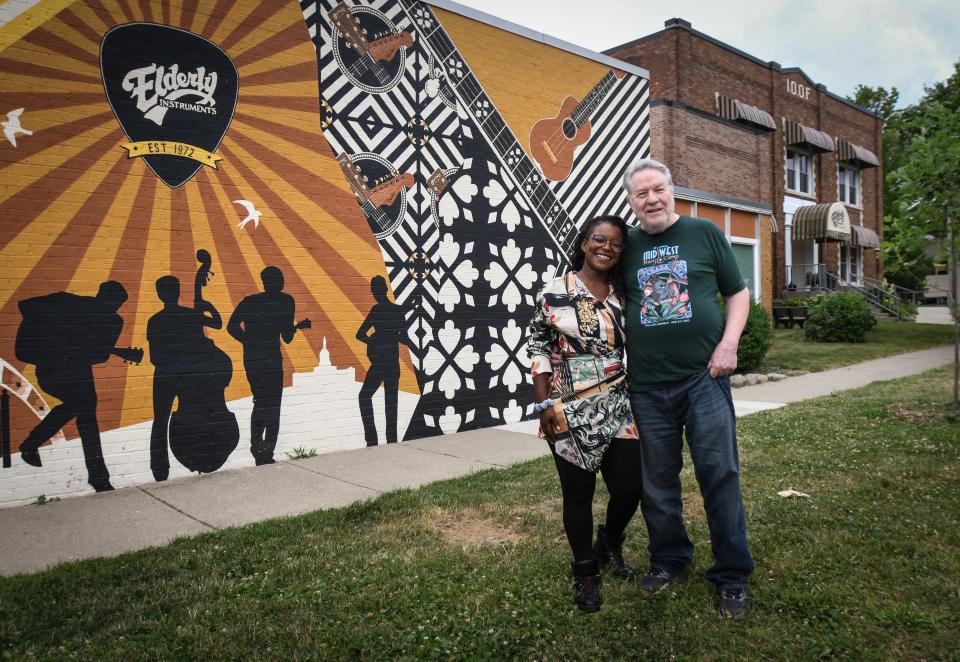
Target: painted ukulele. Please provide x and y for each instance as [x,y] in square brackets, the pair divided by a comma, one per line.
[371,53]
[554,140]
[372,199]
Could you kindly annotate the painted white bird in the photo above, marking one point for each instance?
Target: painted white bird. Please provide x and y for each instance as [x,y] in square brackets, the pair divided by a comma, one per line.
[252,213]
[12,126]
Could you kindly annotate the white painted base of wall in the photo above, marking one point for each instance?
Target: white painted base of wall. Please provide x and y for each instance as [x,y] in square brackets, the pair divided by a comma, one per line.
[320,411]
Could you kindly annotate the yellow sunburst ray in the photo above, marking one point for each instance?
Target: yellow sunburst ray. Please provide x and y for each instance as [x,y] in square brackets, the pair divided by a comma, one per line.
[296,53]
[25,250]
[138,390]
[346,240]
[295,89]
[236,17]
[90,18]
[308,269]
[99,254]
[323,285]
[27,172]
[14,83]
[289,28]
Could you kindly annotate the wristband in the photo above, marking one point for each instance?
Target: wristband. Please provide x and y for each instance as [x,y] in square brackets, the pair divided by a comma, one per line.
[540,406]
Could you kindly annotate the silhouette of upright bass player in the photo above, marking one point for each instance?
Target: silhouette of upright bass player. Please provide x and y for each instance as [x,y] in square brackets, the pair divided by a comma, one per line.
[64,335]
[258,323]
[383,331]
[173,333]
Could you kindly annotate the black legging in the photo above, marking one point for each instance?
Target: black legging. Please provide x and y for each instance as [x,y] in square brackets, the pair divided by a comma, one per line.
[621,474]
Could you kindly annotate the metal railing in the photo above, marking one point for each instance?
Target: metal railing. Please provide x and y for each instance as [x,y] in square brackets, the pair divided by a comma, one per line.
[816,278]
[810,278]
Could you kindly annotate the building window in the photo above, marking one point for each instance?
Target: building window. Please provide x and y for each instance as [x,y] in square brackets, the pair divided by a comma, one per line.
[851,259]
[799,177]
[746,257]
[848,183]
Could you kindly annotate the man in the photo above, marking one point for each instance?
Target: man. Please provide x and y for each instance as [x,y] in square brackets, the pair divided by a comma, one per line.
[173,334]
[680,351]
[65,335]
[259,322]
[383,331]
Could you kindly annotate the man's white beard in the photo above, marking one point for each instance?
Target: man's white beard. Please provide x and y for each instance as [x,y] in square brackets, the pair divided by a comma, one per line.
[657,226]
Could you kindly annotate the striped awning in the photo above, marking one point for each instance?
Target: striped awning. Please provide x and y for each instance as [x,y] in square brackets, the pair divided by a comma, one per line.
[825,222]
[864,237]
[847,151]
[798,134]
[733,109]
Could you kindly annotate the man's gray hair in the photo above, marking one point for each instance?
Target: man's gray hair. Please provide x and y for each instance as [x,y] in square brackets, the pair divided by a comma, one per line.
[645,164]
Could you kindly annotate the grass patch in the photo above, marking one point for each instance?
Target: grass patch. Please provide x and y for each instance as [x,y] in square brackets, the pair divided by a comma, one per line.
[477,567]
[792,351]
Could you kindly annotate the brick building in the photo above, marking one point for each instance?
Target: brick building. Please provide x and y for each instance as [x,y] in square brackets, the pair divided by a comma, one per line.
[751,144]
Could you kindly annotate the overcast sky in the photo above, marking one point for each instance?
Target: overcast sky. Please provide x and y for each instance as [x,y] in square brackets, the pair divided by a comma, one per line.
[839,43]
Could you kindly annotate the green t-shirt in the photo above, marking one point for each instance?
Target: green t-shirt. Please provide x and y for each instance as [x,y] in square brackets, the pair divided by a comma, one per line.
[672,317]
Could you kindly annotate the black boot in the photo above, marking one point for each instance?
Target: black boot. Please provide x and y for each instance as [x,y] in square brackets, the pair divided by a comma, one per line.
[609,553]
[586,585]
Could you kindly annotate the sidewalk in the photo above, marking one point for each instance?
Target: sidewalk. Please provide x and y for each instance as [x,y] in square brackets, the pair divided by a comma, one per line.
[36,537]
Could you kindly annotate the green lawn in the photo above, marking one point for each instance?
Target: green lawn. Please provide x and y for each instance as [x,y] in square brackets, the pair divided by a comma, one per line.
[475,568]
[792,351]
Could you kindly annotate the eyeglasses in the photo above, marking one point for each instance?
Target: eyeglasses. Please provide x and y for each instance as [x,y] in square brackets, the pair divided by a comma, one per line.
[600,241]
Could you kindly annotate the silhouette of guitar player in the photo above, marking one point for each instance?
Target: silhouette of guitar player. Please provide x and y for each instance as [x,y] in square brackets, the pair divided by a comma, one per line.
[173,334]
[383,331]
[258,323]
[64,335]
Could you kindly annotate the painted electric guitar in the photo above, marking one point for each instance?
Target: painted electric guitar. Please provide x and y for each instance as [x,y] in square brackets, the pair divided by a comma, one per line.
[372,199]
[554,140]
[371,53]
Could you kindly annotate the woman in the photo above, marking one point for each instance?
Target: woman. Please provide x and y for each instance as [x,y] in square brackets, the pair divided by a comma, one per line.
[584,405]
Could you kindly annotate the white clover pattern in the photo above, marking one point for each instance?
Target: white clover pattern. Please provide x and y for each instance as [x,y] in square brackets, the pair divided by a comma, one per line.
[506,356]
[512,413]
[455,201]
[450,421]
[462,276]
[511,279]
[448,364]
[455,68]
[482,109]
[424,19]
[515,156]
[510,210]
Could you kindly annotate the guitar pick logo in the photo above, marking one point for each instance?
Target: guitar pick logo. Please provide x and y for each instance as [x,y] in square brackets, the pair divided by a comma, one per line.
[174,94]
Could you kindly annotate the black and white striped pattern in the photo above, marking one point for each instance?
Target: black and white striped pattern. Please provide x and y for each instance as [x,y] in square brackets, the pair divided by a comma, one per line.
[621,134]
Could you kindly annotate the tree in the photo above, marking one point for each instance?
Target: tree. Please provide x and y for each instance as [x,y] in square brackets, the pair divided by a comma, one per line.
[877,99]
[928,185]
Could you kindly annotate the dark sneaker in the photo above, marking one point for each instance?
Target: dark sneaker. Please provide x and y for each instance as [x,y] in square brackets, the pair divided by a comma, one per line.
[658,579]
[733,602]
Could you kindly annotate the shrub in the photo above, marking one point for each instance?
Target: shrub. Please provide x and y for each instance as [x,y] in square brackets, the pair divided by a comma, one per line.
[839,318]
[789,302]
[756,338]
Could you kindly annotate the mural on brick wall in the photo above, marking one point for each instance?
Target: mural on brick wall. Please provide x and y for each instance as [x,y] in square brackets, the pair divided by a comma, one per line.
[240,231]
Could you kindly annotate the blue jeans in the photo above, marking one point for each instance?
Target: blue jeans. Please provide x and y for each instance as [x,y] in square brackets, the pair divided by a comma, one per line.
[702,406]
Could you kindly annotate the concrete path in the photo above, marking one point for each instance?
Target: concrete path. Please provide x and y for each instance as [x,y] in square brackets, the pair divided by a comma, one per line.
[934,315]
[35,537]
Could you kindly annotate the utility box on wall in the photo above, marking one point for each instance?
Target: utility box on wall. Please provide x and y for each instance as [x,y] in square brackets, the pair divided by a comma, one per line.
[237,230]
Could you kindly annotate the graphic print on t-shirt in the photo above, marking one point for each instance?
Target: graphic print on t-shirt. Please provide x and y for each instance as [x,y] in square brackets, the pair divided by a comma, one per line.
[663,281]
